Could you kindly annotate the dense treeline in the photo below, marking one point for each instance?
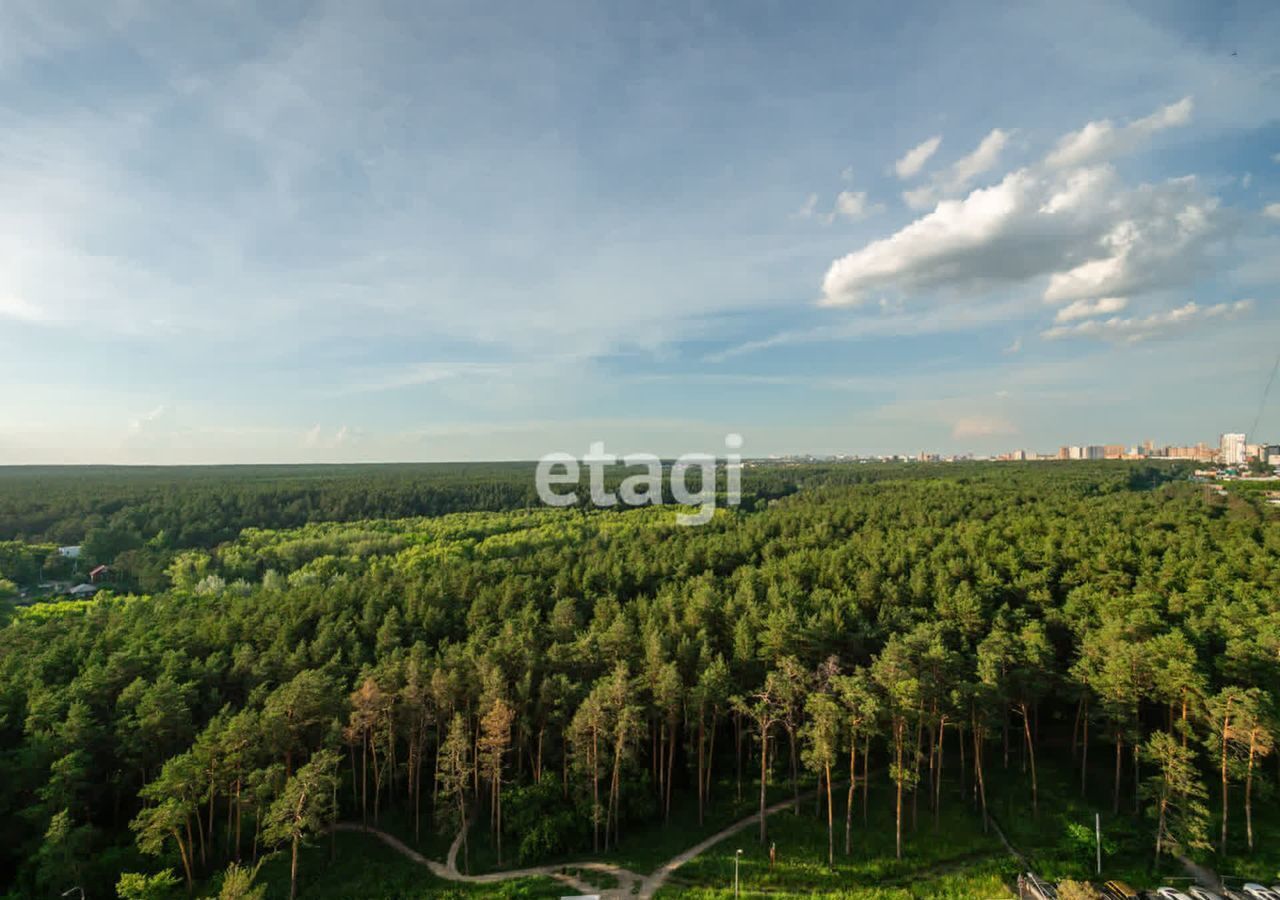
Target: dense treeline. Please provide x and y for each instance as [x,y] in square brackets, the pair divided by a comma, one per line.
[200,506]
[562,675]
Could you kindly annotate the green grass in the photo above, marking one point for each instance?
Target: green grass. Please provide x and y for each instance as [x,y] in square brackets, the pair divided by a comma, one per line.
[952,859]
[983,882]
[1239,864]
[643,847]
[1128,840]
[364,868]
[1059,840]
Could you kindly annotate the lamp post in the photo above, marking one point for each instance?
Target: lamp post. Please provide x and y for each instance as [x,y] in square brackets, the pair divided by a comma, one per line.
[736,857]
[1097,833]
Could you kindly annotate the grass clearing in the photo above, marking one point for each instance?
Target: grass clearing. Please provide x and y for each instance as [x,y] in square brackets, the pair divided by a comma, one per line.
[645,847]
[365,868]
[952,858]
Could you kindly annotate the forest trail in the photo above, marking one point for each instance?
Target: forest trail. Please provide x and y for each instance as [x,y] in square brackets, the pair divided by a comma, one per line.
[449,871]
[658,877]
[630,884]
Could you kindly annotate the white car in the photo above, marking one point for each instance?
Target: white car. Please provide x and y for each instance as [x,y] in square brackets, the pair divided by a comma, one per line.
[1259,891]
[1168,893]
[1199,893]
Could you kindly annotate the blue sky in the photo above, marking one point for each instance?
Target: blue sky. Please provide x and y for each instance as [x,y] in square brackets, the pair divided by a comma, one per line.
[417,231]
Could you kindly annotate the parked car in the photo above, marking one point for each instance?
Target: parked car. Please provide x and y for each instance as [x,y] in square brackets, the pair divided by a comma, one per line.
[1118,890]
[1257,891]
[1168,893]
[1199,893]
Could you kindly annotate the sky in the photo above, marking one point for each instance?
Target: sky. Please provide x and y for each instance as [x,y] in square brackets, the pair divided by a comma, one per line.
[306,232]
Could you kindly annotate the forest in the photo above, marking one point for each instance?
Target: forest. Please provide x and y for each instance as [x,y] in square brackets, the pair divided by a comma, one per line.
[427,651]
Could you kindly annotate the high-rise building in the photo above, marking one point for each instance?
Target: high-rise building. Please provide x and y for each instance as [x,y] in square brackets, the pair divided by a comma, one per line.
[1200,452]
[1113,451]
[1076,451]
[1095,451]
[1232,448]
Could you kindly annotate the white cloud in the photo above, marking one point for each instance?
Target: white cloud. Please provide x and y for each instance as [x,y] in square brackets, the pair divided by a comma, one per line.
[982,426]
[1080,227]
[956,178]
[1156,239]
[915,158]
[961,242]
[1275,157]
[1068,226]
[1015,347]
[852,205]
[984,157]
[1102,138]
[1083,309]
[1132,330]
[1272,211]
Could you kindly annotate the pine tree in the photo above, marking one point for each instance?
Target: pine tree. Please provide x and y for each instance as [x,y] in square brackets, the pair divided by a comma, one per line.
[303,809]
[1176,796]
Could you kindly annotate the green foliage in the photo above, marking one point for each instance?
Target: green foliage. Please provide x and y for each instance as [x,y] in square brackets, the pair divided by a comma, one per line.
[161,886]
[881,609]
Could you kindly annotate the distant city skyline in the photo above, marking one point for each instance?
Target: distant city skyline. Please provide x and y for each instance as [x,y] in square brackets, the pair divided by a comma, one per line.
[382,232]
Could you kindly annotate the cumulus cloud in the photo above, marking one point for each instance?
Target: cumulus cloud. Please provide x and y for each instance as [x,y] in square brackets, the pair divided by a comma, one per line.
[1272,211]
[957,177]
[1103,138]
[1132,330]
[1083,309]
[982,426]
[1079,227]
[984,157]
[1157,239]
[915,158]
[994,234]
[852,205]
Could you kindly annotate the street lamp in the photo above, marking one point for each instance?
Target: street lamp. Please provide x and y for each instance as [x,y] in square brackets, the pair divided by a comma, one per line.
[736,857]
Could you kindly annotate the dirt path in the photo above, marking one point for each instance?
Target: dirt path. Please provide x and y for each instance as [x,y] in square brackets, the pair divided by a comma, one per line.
[650,885]
[449,871]
[630,884]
